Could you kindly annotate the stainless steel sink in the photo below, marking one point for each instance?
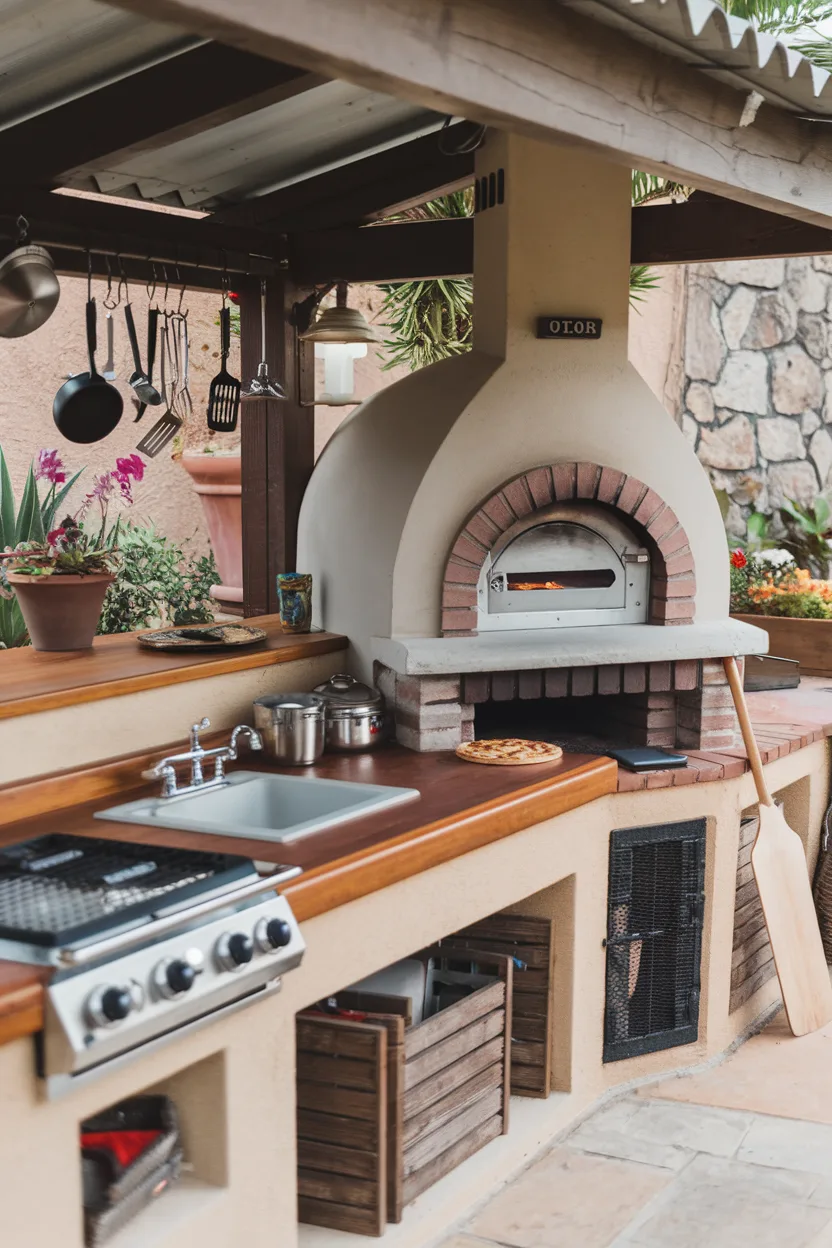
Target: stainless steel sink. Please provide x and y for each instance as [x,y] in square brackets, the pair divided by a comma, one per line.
[263,806]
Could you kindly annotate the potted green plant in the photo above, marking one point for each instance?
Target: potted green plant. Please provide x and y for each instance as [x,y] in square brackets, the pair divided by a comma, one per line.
[60,584]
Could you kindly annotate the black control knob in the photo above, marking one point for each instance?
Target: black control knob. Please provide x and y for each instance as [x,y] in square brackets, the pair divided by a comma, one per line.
[109,1006]
[115,1004]
[180,976]
[278,933]
[240,948]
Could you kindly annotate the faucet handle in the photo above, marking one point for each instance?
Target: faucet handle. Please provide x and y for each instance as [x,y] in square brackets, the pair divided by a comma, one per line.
[196,729]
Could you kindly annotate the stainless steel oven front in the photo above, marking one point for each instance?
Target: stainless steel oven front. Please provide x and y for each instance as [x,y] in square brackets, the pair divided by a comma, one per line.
[564,566]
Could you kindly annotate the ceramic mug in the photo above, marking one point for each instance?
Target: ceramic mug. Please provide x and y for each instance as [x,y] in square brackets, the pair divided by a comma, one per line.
[294,596]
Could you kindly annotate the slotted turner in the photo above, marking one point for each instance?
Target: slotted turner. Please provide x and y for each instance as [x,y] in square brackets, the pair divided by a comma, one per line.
[779,864]
[224,395]
[169,423]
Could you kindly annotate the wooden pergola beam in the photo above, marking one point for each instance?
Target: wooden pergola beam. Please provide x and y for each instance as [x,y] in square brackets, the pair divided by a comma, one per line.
[70,225]
[709,229]
[176,99]
[704,229]
[364,190]
[543,70]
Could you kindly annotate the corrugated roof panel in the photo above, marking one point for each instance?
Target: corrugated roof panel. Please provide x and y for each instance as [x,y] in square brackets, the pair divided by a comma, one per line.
[323,127]
[53,50]
[701,33]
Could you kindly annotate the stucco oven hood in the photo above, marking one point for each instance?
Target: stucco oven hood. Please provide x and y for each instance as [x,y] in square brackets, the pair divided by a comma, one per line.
[529,507]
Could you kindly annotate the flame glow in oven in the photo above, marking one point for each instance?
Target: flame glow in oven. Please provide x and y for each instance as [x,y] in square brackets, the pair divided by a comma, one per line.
[573,578]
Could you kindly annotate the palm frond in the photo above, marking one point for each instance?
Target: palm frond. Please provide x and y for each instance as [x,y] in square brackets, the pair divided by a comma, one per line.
[779,17]
[647,187]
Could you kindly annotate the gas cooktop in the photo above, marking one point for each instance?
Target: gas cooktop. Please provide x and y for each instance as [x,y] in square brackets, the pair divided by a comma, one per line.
[62,889]
[146,942]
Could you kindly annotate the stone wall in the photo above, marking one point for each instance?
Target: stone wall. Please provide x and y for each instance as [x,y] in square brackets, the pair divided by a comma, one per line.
[757,397]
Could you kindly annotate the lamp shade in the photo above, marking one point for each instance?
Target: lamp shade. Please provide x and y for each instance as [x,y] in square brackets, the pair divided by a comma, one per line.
[340,325]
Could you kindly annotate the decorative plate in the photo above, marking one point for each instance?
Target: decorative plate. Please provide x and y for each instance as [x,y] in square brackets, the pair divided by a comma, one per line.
[202,637]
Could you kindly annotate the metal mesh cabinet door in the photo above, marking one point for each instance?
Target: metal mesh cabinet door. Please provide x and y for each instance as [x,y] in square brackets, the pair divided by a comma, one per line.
[654,929]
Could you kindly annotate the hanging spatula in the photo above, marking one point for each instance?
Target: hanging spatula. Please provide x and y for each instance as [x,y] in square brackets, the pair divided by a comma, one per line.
[169,423]
[224,395]
[782,876]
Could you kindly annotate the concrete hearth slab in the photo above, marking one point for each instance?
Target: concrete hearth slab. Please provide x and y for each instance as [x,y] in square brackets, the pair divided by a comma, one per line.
[532,649]
[741,1154]
[773,1073]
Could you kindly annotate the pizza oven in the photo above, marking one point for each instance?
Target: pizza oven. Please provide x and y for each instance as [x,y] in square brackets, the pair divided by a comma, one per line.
[520,538]
[563,567]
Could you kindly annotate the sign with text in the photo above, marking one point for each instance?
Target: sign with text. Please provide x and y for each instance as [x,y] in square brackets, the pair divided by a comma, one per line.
[569,327]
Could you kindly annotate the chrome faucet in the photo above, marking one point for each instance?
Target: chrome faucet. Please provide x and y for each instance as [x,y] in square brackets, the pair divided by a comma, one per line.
[165,769]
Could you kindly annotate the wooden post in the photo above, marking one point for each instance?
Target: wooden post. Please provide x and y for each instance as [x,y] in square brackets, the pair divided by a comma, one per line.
[278,442]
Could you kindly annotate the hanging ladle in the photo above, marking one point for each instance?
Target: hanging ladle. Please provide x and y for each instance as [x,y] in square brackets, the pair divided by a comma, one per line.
[262,386]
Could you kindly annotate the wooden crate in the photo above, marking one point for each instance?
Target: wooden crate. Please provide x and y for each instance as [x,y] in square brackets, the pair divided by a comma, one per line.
[530,941]
[456,1078]
[423,1098]
[752,961]
[342,1124]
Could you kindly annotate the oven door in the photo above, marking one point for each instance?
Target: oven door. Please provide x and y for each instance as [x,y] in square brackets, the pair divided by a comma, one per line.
[565,568]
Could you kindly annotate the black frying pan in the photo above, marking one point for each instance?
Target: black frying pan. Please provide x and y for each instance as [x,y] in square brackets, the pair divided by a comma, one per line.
[87,407]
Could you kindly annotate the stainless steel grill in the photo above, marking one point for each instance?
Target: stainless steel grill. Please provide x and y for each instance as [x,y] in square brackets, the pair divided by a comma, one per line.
[567,565]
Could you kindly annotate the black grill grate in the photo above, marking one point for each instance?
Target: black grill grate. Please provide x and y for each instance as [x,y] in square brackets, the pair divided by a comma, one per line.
[59,889]
[654,928]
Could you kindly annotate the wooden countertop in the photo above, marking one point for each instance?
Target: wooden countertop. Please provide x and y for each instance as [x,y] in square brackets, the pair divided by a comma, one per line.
[462,807]
[32,680]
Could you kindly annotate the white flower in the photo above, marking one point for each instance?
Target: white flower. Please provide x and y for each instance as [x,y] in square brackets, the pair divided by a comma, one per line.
[774,558]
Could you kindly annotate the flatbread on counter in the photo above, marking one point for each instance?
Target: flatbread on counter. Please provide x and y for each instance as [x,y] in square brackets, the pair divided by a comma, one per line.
[509,752]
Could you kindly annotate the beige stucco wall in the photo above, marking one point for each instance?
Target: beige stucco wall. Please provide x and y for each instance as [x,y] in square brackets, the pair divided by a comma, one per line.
[90,732]
[34,367]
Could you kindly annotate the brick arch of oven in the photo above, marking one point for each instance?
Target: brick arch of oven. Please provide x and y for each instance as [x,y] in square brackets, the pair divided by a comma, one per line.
[673,575]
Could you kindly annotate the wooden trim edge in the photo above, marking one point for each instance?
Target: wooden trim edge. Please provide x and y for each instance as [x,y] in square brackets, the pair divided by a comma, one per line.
[368,871]
[307,647]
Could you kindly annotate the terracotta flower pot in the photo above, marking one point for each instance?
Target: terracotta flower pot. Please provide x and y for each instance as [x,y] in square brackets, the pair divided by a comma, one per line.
[217,481]
[61,612]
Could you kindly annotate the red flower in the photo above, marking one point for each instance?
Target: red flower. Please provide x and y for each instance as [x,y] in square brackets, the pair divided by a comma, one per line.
[55,536]
[233,296]
[738,559]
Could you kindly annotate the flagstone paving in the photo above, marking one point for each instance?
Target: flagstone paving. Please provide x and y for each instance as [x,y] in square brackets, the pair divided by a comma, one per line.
[735,1156]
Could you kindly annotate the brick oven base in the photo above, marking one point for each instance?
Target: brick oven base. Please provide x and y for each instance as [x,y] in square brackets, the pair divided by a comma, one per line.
[684,704]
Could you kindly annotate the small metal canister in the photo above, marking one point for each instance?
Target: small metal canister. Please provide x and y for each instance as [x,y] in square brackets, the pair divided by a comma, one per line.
[355,717]
[293,726]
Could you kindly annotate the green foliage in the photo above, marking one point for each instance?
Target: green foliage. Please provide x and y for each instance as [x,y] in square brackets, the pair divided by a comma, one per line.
[157,584]
[799,606]
[794,17]
[808,530]
[774,17]
[23,525]
[757,530]
[68,552]
[741,602]
[429,321]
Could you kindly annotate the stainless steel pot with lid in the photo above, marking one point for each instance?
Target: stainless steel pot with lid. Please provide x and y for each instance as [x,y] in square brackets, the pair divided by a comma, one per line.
[293,726]
[354,713]
[29,289]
